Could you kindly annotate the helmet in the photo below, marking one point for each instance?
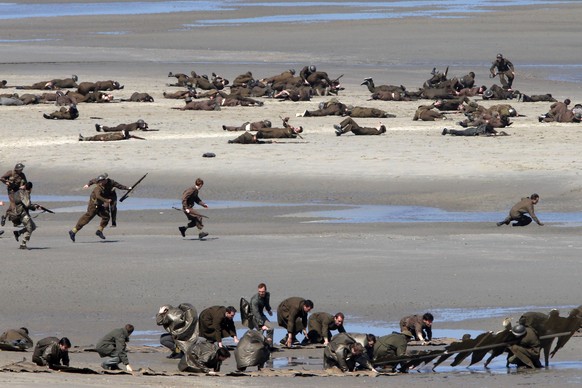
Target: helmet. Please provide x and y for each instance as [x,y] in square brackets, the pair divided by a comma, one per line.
[19,167]
[101,178]
[267,123]
[312,68]
[488,93]
[518,330]
[141,123]
[292,71]
[104,175]
[74,77]
[499,56]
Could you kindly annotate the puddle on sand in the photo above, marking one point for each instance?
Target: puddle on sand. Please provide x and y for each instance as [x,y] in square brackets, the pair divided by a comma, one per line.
[350,214]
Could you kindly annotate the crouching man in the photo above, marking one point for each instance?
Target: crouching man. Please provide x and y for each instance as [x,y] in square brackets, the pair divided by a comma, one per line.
[344,352]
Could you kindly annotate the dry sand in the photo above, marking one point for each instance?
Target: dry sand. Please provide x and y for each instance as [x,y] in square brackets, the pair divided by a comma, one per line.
[371,272]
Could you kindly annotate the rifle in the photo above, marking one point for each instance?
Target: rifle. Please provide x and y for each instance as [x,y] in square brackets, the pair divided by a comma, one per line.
[432,355]
[197,214]
[132,188]
[44,209]
[136,137]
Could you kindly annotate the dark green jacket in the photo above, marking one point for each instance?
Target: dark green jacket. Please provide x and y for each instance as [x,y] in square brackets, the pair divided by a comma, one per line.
[114,345]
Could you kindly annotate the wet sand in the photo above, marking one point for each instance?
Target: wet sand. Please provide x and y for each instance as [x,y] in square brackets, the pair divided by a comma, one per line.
[372,272]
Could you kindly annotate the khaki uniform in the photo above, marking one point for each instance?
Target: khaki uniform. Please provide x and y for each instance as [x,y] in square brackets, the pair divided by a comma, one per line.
[17,338]
[291,315]
[111,136]
[389,347]
[526,351]
[338,354]
[417,327]
[128,127]
[518,213]
[349,125]
[64,113]
[363,112]
[248,126]
[189,198]
[214,325]
[320,326]
[21,215]
[98,205]
[109,192]
[48,352]
[13,181]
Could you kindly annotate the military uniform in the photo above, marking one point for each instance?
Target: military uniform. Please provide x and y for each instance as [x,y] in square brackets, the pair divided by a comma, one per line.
[527,351]
[138,125]
[246,138]
[320,325]
[518,213]
[292,316]
[338,353]
[416,325]
[389,347]
[426,113]
[248,126]
[189,198]
[349,125]
[13,180]
[18,338]
[484,129]
[98,205]
[48,352]
[20,215]
[113,348]
[109,187]
[110,136]
[214,325]
[363,112]
[505,70]
[331,108]
[70,113]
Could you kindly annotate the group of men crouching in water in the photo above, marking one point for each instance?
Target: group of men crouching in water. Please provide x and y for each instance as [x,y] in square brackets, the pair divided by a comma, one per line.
[197,339]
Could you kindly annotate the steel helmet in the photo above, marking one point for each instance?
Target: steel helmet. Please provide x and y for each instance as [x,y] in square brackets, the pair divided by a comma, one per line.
[518,330]
[312,68]
[19,167]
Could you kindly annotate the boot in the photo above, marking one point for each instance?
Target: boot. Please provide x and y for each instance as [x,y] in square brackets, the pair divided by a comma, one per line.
[3,221]
[445,131]
[99,234]
[182,230]
[201,235]
[98,127]
[72,235]
[16,234]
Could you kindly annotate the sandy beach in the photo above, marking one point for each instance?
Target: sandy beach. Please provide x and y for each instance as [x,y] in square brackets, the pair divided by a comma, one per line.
[265,201]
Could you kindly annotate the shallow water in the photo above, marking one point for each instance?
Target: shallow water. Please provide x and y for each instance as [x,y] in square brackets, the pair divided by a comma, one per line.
[355,10]
[351,214]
